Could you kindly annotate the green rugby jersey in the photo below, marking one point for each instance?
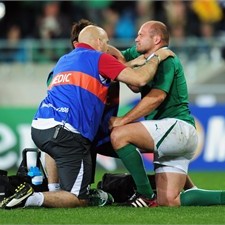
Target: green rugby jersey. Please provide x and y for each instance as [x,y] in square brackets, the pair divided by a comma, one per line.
[170,78]
[130,53]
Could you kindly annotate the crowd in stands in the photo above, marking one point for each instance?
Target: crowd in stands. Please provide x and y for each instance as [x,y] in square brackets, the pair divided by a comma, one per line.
[52,20]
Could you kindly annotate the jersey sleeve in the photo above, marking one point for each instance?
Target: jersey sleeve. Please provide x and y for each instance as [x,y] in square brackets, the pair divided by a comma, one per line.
[109,67]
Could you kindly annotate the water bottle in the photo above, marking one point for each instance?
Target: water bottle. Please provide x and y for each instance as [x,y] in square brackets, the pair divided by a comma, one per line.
[36,175]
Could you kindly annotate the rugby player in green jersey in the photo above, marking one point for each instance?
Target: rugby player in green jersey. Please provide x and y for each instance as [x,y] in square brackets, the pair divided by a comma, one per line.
[168,130]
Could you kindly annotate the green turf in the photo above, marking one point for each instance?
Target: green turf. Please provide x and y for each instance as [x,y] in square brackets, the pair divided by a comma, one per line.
[125,215]
[115,215]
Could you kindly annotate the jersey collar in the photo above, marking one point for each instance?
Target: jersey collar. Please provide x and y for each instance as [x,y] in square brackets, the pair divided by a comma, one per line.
[83,45]
[149,57]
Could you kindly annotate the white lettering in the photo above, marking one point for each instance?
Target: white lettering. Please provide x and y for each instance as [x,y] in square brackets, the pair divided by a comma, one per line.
[215,140]
[8,161]
[7,141]
[61,78]
[61,109]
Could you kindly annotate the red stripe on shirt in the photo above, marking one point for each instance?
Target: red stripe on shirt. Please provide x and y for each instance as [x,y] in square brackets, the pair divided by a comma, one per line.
[82,80]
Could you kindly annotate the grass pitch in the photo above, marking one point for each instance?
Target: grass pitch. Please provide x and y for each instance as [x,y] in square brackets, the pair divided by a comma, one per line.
[125,215]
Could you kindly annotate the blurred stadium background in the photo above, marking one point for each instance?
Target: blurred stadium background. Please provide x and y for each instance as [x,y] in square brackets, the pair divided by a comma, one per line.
[34,34]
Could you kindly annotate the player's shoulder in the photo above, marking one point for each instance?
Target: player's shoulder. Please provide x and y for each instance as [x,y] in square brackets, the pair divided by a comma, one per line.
[171,60]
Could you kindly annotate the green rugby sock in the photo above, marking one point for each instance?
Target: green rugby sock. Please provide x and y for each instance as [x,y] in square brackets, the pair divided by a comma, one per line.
[201,197]
[132,160]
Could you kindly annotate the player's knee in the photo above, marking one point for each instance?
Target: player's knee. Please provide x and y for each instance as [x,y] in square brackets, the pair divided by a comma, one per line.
[115,137]
[168,200]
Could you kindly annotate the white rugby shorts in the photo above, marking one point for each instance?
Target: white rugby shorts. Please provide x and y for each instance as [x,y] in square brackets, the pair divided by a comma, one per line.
[175,142]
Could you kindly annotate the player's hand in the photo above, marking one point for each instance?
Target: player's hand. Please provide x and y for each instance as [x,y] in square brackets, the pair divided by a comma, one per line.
[139,61]
[164,53]
[115,122]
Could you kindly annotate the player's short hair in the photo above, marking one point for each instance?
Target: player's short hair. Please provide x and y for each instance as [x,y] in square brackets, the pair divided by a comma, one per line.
[76,29]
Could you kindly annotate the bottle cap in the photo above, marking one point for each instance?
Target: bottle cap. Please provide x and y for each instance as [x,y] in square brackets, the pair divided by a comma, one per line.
[37,180]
